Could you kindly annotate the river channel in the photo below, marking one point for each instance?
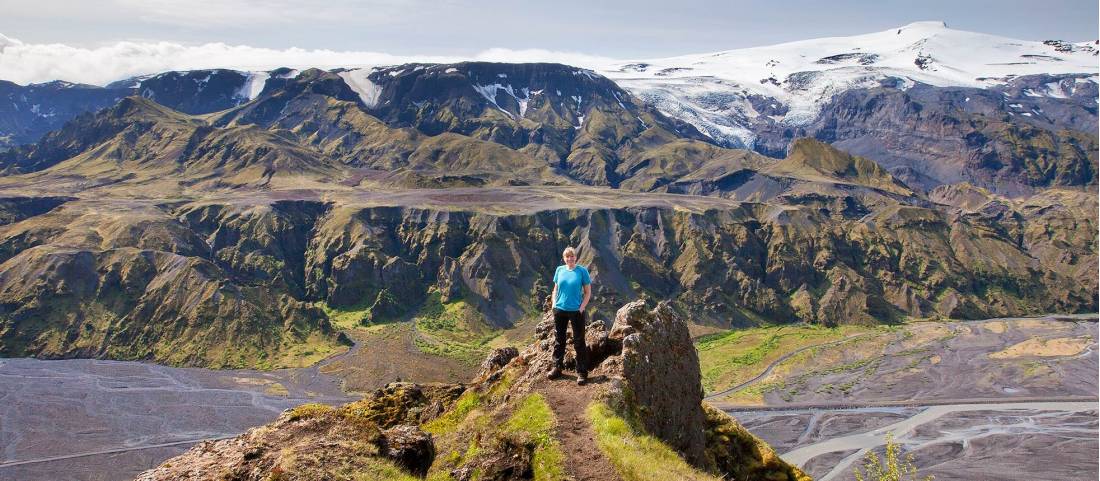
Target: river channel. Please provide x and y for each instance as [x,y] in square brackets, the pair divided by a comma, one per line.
[94,420]
[998,440]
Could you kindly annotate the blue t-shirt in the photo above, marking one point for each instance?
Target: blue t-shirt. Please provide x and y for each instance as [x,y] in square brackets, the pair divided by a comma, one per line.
[570,287]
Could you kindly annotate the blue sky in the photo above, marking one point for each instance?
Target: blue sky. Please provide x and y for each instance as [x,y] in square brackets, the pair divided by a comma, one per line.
[621,29]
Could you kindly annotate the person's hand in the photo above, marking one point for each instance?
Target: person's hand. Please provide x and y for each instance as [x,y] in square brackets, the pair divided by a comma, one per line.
[583,306]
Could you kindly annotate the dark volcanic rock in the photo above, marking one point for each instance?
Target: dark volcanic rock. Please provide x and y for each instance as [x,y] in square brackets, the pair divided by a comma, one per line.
[660,376]
[409,447]
[194,91]
[496,360]
[37,109]
[567,117]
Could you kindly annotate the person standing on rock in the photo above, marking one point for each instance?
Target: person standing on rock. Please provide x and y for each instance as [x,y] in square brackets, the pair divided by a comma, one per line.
[572,290]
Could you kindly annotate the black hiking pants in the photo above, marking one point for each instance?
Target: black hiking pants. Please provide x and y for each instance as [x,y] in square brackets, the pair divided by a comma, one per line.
[563,319]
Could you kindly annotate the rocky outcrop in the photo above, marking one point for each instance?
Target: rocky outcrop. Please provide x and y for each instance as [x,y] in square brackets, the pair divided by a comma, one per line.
[375,438]
[660,377]
[408,447]
[501,425]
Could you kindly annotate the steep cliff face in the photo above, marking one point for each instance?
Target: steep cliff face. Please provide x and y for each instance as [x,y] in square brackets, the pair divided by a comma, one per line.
[642,417]
[88,280]
[216,283]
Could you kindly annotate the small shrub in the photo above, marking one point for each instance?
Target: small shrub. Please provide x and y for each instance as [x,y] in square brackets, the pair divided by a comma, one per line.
[891,468]
[309,410]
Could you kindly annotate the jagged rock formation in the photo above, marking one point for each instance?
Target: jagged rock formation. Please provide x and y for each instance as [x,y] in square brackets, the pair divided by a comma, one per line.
[502,427]
[660,376]
[108,279]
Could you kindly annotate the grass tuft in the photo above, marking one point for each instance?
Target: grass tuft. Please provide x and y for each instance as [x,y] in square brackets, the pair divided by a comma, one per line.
[534,420]
[450,420]
[637,456]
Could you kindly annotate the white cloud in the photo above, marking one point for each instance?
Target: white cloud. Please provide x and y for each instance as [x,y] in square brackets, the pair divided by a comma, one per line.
[31,63]
[539,55]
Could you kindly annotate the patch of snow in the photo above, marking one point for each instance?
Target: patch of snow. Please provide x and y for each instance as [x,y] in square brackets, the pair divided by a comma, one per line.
[253,84]
[580,122]
[1054,89]
[1028,114]
[502,75]
[1016,106]
[291,74]
[617,99]
[795,78]
[451,70]
[368,91]
[490,93]
[587,73]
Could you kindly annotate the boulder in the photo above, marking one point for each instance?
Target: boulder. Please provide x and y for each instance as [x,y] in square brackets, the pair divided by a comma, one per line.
[409,447]
[659,379]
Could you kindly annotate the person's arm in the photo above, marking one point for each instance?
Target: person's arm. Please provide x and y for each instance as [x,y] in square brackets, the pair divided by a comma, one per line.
[587,296]
[554,296]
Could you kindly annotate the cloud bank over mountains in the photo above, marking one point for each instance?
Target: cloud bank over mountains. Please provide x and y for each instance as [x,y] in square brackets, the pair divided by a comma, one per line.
[25,63]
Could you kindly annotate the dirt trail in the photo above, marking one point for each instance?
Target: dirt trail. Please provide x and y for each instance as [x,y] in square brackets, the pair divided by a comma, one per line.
[583,459]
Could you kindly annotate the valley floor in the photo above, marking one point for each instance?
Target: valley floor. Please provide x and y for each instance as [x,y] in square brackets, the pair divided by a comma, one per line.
[93,420]
[970,400]
[1012,399]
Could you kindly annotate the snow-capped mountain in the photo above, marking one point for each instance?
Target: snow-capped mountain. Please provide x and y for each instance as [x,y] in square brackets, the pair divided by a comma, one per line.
[931,104]
[723,93]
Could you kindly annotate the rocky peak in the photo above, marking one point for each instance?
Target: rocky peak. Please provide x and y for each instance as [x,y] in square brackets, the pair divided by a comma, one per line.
[811,158]
[507,88]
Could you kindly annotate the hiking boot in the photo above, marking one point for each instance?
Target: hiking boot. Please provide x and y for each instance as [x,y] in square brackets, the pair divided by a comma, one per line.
[554,373]
[582,378]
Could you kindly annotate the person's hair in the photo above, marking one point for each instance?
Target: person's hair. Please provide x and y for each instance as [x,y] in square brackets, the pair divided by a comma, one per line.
[569,250]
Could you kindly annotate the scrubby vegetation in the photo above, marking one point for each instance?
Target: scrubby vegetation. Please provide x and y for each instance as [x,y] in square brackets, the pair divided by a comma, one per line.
[452,329]
[891,467]
[534,421]
[729,358]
